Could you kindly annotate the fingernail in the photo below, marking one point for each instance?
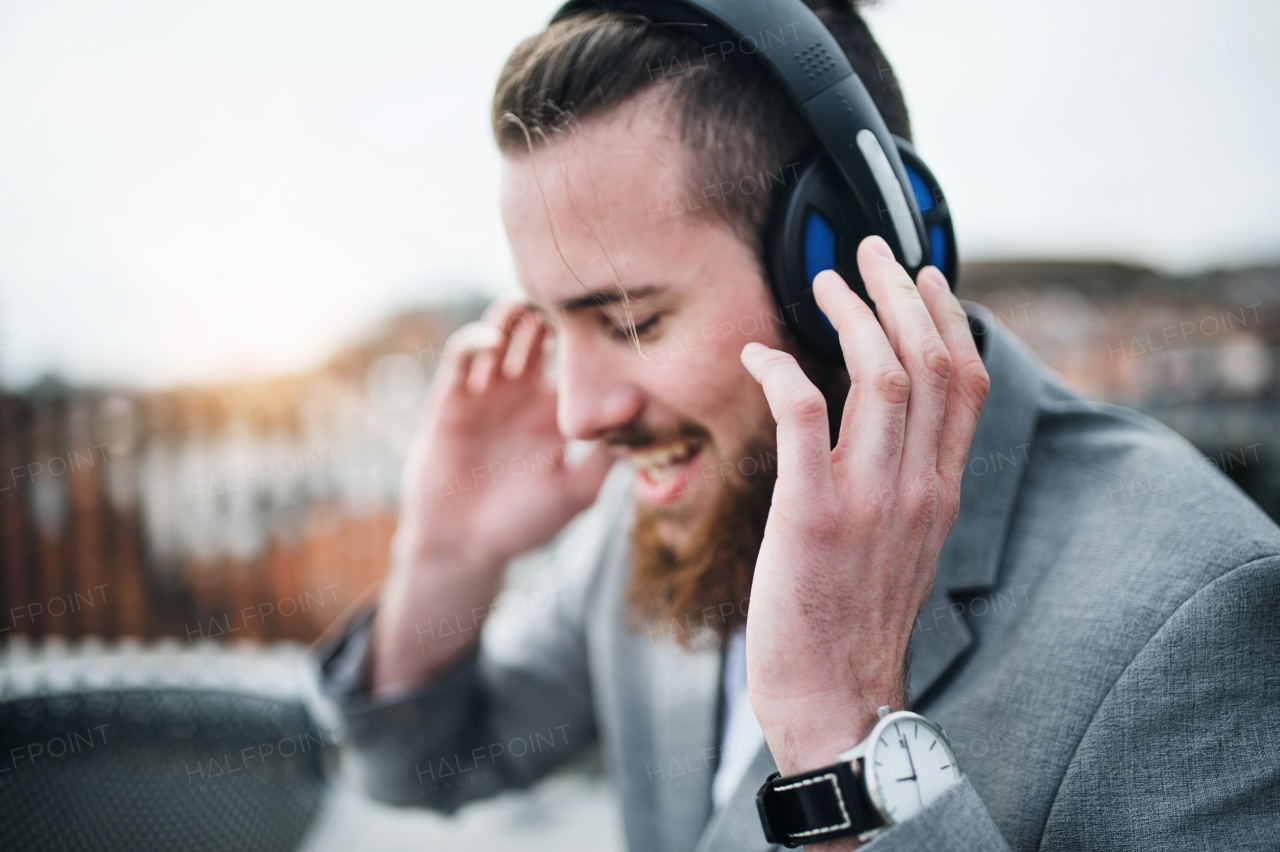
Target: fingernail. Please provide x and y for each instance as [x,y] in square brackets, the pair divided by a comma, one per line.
[880,247]
[753,346]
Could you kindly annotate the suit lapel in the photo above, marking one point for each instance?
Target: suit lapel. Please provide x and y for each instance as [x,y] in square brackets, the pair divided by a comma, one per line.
[685,689]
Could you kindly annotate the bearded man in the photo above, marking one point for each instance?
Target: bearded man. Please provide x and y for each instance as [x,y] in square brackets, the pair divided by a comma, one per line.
[766,551]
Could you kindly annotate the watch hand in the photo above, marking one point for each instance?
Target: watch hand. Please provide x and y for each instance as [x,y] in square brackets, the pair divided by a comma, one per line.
[907,749]
[912,763]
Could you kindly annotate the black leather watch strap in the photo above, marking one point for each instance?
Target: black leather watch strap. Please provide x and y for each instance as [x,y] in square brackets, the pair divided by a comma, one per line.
[815,806]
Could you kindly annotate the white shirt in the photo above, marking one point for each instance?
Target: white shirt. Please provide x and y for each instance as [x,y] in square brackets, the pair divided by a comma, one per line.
[742,734]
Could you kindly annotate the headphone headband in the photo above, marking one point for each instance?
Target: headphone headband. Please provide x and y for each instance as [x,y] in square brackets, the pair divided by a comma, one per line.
[805,59]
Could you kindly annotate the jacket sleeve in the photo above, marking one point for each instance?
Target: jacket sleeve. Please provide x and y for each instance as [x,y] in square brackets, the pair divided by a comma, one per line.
[1181,753]
[508,712]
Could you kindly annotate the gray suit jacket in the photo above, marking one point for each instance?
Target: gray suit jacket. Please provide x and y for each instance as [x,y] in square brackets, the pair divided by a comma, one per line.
[1100,645]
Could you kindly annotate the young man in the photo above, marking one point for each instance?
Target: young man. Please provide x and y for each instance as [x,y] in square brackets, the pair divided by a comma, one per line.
[1101,656]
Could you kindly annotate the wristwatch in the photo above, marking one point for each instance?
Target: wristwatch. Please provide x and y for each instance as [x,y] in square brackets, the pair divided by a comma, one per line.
[897,771]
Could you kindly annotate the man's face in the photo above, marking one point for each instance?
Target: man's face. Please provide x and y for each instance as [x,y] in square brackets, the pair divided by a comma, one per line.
[600,210]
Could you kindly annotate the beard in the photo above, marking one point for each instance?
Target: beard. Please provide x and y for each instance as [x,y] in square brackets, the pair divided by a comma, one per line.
[697,594]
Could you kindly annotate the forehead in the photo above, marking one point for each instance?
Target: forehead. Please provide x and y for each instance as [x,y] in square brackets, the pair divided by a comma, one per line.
[607,203]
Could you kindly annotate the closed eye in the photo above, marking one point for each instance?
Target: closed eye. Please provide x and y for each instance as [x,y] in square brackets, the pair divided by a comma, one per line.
[648,325]
[642,327]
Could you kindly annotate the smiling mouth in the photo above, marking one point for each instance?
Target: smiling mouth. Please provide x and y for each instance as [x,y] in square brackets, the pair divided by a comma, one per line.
[663,462]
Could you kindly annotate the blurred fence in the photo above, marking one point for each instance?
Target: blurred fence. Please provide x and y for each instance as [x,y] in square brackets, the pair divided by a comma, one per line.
[260,510]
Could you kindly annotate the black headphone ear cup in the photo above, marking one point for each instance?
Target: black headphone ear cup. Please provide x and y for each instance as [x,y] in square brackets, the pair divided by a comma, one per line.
[814,225]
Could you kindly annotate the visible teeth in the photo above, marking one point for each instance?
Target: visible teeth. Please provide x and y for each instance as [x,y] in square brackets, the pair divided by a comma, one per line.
[664,462]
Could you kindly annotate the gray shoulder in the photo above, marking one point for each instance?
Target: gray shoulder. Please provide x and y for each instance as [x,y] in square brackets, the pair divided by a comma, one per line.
[1180,752]
[1143,495]
[1153,582]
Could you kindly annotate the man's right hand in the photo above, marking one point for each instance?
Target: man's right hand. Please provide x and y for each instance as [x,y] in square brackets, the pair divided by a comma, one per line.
[486,478]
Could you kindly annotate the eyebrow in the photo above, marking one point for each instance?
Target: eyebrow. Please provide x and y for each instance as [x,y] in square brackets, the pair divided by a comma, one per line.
[609,296]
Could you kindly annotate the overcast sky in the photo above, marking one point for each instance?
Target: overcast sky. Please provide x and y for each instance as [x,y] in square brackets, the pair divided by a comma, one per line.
[201,191]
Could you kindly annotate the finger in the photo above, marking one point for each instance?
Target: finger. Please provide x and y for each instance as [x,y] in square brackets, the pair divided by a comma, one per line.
[527,335]
[500,316]
[967,390]
[875,413]
[460,351]
[915,339]
[804,437]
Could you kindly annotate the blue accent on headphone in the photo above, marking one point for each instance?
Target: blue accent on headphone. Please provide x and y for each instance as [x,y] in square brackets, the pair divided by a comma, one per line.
[819,250]
[924,198]
[819,245]
[925,201]
[938,246]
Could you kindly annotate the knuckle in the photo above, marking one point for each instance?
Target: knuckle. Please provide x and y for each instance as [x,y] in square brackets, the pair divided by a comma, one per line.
[949,511]
[901,281]
[893,385]
[922,502]
[936,360]
[824,515]
[777,360]
[976,381]
[876,507]
[807,406]
[922,492]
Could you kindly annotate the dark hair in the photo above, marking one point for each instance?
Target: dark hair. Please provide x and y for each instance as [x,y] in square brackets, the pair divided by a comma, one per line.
[733,119]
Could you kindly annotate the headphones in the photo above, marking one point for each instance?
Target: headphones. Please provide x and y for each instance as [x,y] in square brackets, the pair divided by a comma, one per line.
[861,180]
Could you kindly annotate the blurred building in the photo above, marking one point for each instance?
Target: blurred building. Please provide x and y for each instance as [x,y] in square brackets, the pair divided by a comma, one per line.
[249,510]
[261,509]
[1200,354]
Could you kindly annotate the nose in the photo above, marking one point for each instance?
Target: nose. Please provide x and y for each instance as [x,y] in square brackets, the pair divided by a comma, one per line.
[593,394]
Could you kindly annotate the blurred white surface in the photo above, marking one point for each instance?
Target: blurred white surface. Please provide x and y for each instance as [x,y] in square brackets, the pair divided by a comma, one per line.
[568,811]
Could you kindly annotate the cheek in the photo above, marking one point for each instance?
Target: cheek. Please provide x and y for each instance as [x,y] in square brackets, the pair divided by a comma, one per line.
[703,359]
[702,346]
[710,386]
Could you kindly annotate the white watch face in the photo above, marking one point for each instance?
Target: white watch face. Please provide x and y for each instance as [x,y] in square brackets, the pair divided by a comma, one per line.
[909,764]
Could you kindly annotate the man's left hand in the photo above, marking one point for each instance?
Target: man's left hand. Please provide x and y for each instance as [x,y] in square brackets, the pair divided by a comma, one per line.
[853,536]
